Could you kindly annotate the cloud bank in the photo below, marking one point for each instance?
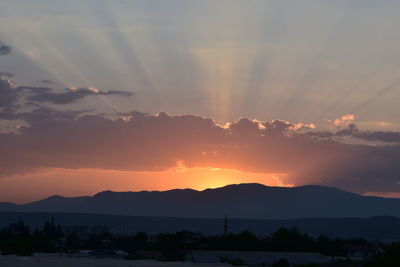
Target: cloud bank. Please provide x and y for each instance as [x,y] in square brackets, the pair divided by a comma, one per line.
[138,141]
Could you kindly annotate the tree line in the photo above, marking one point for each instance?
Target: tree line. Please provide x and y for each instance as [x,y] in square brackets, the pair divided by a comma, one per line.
[20,239]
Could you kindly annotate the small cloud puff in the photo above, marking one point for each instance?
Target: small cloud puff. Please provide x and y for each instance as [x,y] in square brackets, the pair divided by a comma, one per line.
[5,49]
[343,121]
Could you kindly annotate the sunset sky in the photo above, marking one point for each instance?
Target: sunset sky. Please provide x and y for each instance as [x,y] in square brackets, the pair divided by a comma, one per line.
[155,95]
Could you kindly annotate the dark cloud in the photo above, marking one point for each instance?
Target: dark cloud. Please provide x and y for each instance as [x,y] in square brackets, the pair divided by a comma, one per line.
[157,142]
[388,137]
[69,95]
[352,131]
[45,81]
[8,94]
[5,49]
[6,75]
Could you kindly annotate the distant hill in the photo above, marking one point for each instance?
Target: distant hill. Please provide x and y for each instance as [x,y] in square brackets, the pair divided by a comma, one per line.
[253,201]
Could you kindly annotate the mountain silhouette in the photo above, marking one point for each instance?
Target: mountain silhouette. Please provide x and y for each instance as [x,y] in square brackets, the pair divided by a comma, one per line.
[253,201]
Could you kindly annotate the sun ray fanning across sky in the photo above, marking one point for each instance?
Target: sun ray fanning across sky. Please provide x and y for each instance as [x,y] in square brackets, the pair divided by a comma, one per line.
[276,92]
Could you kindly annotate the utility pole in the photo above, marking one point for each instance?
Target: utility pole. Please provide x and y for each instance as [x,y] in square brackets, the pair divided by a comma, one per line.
[226,225]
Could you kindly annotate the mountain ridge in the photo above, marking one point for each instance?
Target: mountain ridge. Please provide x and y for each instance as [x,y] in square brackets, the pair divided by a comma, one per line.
[249,200]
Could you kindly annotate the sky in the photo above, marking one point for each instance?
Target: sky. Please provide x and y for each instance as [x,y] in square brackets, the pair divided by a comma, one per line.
[155,95]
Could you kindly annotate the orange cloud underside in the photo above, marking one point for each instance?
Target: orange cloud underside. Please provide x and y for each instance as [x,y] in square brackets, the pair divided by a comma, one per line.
[77,182]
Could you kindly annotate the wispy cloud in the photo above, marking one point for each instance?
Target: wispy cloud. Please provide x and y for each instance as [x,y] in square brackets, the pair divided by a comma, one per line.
[69,95]
[10,94]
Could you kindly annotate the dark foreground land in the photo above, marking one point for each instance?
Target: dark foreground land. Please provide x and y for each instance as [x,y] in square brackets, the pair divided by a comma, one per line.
[63,261]
[79,245]
[17,261]
[383,228]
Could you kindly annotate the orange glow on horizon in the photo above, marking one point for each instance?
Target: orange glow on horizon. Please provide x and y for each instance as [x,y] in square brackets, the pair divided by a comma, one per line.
[77,182]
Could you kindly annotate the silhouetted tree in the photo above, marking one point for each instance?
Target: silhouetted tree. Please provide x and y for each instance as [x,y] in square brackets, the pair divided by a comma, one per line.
[285,239]
[72,242]
[281,263]
[389,258]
